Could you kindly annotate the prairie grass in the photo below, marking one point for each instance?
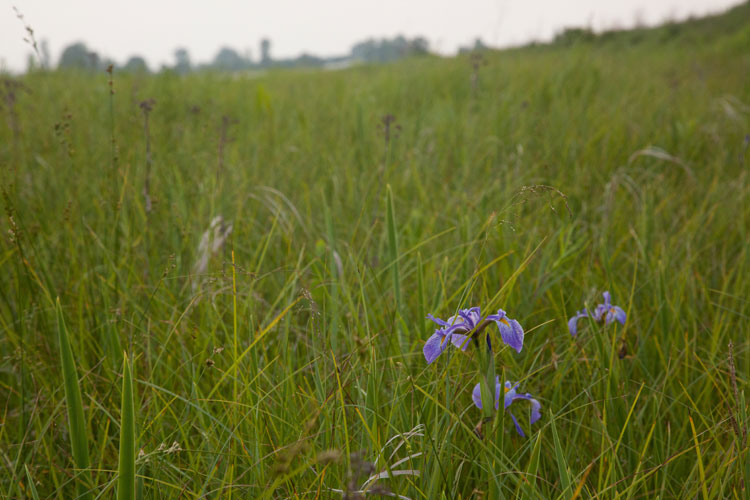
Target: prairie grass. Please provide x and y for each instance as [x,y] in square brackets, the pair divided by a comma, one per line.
[292,366]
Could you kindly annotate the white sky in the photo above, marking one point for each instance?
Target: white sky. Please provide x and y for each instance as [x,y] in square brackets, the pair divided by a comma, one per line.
[154,28]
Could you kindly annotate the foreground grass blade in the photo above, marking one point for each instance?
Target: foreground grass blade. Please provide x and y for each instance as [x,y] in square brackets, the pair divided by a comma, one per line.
[701,470]
[76,422]
[126,467]
[528,486]
[32,487]
[393,257]
[393,246]
[562,464]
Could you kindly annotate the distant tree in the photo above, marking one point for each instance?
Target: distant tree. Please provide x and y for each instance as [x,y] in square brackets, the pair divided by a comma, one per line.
[94,59]
[44,50]
[420,46]
[389,50]
[265,52]
[136,64]
[182,61]
[78,56]
[364,51]
[309,60]
[572,36]
[228,59]
[303,61]
[479,45]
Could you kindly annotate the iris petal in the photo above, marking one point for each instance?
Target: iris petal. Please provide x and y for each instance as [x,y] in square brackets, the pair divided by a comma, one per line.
[435,346]
[518,427]
[437,320]
[461,341]
[511,395]
[476,396]
[510,330]
[536,406]
[599,312]
[515,338]
[536,411]
[620,315]
[573,322]
[573,325]
[497,392]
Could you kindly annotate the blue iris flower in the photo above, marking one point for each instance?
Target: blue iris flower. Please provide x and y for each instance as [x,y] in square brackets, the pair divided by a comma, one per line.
[605,312]
[608,312]
[573,322]
[511,395]
[470,321]
[510,330]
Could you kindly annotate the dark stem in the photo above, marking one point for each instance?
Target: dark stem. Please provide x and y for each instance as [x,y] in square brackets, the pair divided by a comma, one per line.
[481,326]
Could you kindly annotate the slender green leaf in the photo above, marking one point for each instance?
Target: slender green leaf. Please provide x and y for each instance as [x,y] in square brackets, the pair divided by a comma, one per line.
[562,464]
[528,486]
[393,245]
[76,420]
[126,466]
[32,486]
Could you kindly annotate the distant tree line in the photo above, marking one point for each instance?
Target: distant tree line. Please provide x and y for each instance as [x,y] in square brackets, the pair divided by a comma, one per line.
[79,56]
[478,46]
[389,50]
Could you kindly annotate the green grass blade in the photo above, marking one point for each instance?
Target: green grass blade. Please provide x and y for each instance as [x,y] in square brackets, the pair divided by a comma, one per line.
[528,486]
[701,470]
[562,465]
[76,420]
[126,466]
[393,245]
[32,487]
[334,302]
[421,308]
[393,258]
[622,432]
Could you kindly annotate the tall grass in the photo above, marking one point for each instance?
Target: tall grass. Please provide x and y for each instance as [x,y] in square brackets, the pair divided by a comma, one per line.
[293,368]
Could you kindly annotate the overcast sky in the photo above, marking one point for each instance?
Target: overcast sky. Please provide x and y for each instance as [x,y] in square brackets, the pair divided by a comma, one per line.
[154,28]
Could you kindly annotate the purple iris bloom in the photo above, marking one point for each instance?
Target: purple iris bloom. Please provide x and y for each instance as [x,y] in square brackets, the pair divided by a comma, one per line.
[466,321]
[604,312]
[573,322]
[439,340]
[511,395]
[608,312]
[510,330]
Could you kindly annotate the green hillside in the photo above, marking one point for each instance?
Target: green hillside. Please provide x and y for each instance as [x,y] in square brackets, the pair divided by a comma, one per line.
[730,29]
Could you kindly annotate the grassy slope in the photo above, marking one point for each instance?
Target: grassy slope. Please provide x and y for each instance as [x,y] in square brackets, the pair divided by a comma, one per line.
[304,184]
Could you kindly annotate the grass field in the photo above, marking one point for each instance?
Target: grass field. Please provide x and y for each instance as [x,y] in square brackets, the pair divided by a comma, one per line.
[283,357]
